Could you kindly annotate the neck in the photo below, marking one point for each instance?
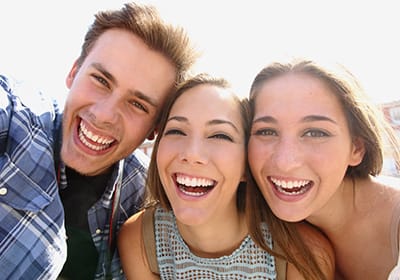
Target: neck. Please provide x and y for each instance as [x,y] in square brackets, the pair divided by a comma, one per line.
[214,240]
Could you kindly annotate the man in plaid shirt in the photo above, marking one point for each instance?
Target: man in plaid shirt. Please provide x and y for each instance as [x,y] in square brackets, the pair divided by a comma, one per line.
[82,163]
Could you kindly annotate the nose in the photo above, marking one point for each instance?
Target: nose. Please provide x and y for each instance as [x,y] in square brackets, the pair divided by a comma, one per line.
[287,154]
[194,151]
[104,112]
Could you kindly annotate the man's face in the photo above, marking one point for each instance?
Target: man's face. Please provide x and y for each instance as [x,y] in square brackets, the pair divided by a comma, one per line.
[114,99]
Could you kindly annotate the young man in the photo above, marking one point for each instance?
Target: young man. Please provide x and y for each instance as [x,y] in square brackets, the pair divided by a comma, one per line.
[84,158]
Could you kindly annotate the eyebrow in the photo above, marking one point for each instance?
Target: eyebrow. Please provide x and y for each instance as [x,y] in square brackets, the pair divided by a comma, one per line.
[212,122]
[136,93]
[310,118]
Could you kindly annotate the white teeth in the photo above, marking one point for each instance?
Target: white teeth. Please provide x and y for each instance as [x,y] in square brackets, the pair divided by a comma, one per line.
[194,182]
[291,187]
[85,133]
[290,184]
[93,137]
[89,145]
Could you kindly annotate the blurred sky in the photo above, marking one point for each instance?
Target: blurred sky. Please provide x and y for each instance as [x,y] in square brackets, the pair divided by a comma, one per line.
[41,39]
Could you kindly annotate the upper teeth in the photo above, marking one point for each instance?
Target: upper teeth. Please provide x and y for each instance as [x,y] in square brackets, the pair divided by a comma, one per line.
[194,182]
[290,184]
[95,138]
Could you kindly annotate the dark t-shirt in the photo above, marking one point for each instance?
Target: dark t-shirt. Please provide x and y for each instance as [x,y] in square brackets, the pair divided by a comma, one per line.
[82,192]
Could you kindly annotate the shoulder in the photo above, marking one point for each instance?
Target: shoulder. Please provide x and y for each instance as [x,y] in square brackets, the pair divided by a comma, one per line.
[137,163]
[139,158]
[390,182]
[131,232]
[131,249]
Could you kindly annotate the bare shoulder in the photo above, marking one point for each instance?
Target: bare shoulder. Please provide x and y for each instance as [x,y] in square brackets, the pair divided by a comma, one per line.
[131,249]
[389,182]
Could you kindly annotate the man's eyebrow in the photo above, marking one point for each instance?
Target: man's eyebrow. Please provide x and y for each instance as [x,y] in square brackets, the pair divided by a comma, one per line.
[144,97]
[103,71]
[136,93]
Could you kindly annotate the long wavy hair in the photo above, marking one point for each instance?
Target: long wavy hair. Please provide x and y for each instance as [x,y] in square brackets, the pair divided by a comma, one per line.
[365,121]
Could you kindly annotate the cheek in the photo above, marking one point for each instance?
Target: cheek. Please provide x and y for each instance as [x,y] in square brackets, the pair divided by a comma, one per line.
[165,153]
[257,154]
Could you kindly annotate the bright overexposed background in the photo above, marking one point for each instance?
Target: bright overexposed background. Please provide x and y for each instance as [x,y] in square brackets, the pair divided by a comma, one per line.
[39,40]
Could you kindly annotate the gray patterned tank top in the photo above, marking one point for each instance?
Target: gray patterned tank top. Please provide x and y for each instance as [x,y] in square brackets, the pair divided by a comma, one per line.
[176,261]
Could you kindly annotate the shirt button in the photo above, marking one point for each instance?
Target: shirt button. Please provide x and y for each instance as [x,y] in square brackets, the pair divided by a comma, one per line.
[3,191]
[98,231]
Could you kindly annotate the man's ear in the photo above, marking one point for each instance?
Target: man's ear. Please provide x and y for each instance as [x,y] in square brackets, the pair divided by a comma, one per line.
[71,75]
[152,135]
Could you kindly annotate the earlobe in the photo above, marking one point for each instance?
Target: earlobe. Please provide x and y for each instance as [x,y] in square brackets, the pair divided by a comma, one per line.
[71,75]
[358,152]
[152,135]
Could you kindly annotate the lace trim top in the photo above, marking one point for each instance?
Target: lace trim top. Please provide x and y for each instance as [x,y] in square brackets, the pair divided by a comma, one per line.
[176,261]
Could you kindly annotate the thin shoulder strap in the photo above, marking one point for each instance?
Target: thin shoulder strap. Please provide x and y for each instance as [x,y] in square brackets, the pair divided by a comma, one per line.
[280,264]
[149,239]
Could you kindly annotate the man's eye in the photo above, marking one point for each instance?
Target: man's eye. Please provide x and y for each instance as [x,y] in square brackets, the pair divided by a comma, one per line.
[140,106]
[101,80]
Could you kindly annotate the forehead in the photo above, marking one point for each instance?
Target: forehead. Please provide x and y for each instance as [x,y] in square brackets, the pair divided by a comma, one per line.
[297,92]
[207,101]
[132,63]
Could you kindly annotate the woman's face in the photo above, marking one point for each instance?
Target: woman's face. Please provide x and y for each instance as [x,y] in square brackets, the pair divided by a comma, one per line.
[201,155]
[300,145]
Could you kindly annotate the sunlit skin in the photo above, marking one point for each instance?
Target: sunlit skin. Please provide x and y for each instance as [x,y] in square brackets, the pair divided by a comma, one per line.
[208,145]
[299,150]
[113,101]
[300,135]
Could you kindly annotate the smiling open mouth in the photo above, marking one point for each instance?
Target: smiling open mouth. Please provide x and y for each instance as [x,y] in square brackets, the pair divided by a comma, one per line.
[194,186]
[296,187]
[93,141]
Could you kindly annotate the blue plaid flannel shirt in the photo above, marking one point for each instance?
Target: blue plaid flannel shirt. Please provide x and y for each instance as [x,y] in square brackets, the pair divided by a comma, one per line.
[32,234]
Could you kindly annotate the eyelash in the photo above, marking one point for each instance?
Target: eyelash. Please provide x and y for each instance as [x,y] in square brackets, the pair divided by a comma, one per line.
[104,82]
[216,136]
[265,132]
[173,132]
[101,80]
[140,106]
[314,133]
[222,136]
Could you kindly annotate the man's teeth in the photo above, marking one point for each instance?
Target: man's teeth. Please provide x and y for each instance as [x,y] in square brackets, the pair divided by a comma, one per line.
[102,142]
[291,187]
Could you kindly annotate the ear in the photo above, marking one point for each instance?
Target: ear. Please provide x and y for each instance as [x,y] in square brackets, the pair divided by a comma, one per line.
[152,135]
[357,152]
[243,178]
[71,75]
